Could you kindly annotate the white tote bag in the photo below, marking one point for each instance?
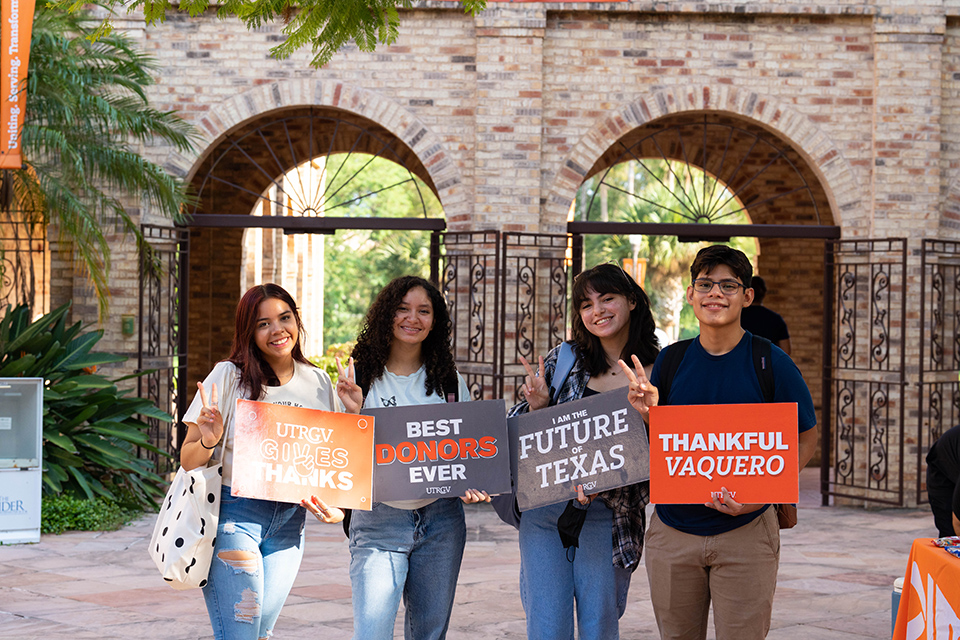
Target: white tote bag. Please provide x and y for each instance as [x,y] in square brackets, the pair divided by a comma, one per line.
[186,529]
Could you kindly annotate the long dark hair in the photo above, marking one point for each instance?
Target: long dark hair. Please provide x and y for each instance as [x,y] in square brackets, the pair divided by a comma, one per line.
[373,344]
[255,373]
[641,340]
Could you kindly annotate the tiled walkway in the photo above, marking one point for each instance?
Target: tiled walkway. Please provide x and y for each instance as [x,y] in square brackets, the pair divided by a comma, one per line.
[836,572]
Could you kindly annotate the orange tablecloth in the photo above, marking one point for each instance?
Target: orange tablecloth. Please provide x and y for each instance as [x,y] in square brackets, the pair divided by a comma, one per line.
[931,595]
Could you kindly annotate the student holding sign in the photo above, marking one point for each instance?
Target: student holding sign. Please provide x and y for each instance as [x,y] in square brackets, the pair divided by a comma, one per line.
[413,548]
[259,542]
[612,323]
[721,550]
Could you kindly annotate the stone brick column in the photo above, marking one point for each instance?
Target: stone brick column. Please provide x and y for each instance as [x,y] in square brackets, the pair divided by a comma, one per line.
[908,40]
[509,116]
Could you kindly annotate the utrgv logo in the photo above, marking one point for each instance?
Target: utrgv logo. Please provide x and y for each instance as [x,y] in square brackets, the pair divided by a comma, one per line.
[936,619]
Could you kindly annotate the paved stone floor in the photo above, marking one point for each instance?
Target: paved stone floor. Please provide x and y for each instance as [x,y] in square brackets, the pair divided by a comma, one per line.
[836,571]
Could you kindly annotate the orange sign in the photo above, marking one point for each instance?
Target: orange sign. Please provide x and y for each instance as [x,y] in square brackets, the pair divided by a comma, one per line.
[751,449]
[15,32]
[290,453]
[931,594]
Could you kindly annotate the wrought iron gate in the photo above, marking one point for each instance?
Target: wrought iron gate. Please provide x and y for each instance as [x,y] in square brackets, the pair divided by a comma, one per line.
[507,295]
[163,336]
[864,380]
[939,403]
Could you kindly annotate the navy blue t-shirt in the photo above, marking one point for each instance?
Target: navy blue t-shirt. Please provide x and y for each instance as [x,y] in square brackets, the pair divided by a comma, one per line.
[731,378]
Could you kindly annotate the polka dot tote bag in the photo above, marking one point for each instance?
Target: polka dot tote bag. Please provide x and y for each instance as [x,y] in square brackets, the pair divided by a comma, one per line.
[186,529]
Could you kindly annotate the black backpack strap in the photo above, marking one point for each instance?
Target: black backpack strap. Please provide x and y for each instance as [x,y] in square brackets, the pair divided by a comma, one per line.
[763,365]
[672,357]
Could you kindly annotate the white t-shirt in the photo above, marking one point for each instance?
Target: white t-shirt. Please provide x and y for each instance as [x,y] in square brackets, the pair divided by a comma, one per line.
[391,390]
[309,387]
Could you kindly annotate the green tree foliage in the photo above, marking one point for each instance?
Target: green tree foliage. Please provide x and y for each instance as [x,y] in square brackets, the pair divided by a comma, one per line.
[357,264]
[92,430]
[658,191]
[86,109]
[324,25]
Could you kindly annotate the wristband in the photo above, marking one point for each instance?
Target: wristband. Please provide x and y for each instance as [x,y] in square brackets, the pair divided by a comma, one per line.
[205,446]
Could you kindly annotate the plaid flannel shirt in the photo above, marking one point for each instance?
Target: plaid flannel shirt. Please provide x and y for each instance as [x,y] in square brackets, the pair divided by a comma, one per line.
[627,503]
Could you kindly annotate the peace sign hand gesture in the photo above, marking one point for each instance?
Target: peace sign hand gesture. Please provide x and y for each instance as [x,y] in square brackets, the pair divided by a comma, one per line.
[349,392]
[535,388]
[210,421]
[642,394]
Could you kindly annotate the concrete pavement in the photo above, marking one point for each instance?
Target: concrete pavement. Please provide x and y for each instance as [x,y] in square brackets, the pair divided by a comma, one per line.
[836,571]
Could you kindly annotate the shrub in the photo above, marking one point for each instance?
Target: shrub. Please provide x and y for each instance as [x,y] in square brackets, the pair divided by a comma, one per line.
[65,513]
[92,431]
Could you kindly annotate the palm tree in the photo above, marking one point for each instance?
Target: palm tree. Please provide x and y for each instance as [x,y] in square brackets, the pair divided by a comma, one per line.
[86,110]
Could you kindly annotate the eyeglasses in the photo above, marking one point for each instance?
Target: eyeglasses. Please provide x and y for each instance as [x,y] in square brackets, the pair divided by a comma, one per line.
[727,287]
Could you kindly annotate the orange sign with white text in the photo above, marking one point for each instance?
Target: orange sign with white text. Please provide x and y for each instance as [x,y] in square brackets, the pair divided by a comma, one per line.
[930,602]
[15,30]
[290,453]
[751,449]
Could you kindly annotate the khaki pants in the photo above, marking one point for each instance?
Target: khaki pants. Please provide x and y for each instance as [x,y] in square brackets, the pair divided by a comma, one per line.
[737,570]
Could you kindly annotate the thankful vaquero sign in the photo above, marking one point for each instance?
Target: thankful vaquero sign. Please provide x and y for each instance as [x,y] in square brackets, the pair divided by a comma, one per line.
[598,442]
[290,453]
[751,449]
[440,450]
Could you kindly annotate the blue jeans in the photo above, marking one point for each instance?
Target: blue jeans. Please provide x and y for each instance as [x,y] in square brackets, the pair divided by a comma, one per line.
[415,554]
[550,584]
[246,590]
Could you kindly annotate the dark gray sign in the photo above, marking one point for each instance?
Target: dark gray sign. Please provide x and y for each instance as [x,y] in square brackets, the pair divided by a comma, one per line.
[599,442]
[440,450]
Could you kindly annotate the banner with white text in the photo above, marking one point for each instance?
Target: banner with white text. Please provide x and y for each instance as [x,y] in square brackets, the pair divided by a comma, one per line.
[15,33]
[440,450]
[750,449]
[598,442]
[288,453]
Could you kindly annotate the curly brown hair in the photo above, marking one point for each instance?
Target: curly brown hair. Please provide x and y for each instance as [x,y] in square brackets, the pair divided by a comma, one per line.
[373,344]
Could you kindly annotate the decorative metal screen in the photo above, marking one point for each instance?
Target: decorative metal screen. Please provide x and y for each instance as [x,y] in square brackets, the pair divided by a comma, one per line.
[24,263]
[537,273]
[864,380]
[939,404]
[163,337]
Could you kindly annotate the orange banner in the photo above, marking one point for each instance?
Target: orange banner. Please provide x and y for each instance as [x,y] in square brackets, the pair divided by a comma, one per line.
[14,56]
[289,453]
[751,449]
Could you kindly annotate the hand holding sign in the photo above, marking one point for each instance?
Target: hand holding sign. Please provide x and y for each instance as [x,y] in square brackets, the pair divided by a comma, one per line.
[535,388]
[349,392]
[319,508]
[473,495]
[210,421]
[642,394]
[723,502]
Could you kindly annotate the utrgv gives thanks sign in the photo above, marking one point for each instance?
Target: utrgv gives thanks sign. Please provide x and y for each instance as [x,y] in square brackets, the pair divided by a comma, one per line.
[290,453]
[599,442]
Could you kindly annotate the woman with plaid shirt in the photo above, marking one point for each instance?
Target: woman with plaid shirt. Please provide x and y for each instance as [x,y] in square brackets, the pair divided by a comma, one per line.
[611,322]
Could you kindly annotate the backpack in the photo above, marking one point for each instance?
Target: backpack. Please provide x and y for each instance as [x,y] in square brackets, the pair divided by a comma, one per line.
[762,364]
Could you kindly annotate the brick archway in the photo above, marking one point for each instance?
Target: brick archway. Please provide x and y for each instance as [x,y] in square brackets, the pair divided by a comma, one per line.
[821,158]
[439,171]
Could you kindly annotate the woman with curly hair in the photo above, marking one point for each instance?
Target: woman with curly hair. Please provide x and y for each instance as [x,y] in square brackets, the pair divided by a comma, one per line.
[411,548]
[612,324]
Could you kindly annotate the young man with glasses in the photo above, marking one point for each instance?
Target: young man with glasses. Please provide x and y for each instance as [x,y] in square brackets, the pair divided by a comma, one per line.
[721,551]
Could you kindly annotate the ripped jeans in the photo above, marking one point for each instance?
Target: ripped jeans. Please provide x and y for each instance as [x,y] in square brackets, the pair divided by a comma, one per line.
[244,593]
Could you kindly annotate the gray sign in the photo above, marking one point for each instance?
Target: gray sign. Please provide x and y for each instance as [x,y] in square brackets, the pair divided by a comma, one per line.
[599,442]
[440,450]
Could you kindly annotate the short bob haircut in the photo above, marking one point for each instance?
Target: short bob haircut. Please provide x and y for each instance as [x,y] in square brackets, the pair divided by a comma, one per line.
[255,373]
[641,341]
[709,258]
[372,351]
